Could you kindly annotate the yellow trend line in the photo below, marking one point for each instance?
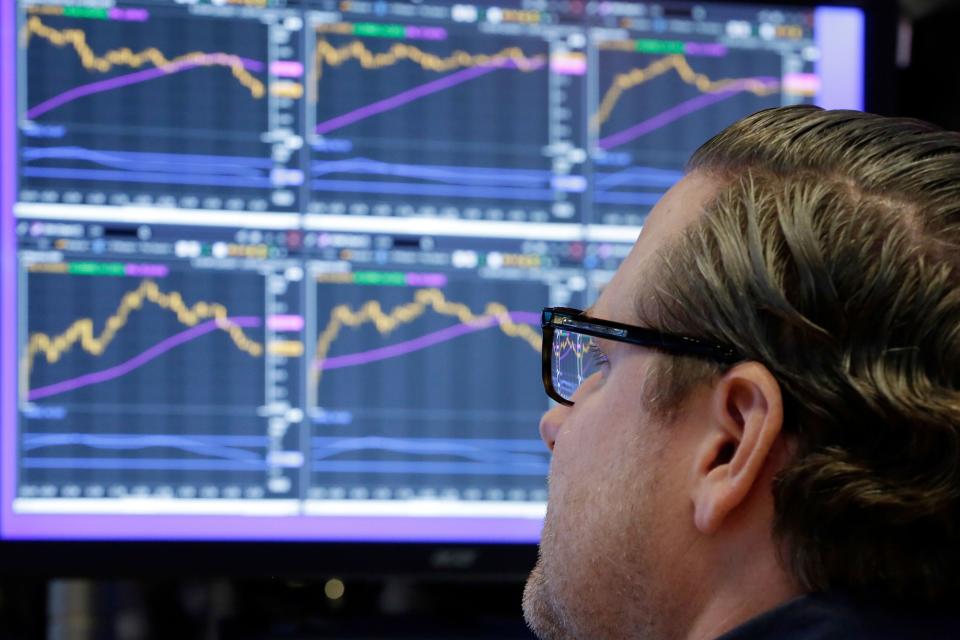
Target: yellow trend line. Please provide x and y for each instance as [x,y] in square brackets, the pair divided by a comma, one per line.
[424,299]
[82,330]
[635,77]
[125,57]
[333,56]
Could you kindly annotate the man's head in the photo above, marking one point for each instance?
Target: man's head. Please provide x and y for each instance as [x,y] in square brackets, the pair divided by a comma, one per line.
[686,496]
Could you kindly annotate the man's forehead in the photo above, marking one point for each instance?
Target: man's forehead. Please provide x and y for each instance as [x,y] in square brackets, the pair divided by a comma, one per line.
[677,209]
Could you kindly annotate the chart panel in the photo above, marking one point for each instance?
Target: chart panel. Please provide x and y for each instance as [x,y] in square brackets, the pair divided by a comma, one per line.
[463,427]
[664,85]
[164,379]
[161,106]
[414,117]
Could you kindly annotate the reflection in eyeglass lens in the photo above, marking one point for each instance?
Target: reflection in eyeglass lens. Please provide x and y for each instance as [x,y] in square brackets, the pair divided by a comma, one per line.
[575,358]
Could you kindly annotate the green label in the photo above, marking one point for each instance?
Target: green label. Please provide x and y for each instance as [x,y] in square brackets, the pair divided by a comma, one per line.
[659,46]
[388,278]
[97,268]
[374,30]
[86,12]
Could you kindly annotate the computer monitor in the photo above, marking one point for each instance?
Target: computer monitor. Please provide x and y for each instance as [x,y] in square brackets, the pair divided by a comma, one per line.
[272,269]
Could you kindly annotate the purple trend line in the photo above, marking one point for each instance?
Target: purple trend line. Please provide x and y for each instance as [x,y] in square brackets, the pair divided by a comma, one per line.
[138,361]
[678,111]
[135,77]
[402,348]
[415,93]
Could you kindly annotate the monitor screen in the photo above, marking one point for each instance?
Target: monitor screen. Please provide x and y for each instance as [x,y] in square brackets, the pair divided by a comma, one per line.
[273,269]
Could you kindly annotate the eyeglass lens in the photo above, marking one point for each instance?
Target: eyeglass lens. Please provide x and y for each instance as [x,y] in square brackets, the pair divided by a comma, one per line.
[575,358]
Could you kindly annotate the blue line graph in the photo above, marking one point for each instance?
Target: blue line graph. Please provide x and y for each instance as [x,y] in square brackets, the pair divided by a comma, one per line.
[149,167]
[362,466]
[151,160]
[502,444]
[638,177]
[439,173]
[481,182]
[427,467]
[481,456]
[210,446]
[484,456]
[135,176]
[431,180]
[639,199]
[505,452]
[642,186]
[470,182]
[144,464]
[414,189]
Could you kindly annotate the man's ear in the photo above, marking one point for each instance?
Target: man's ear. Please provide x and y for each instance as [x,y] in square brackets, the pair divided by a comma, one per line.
[744,421]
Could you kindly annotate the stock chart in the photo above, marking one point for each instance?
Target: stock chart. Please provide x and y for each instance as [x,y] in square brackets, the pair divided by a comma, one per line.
[158,106]
[135,376]
[379,425]
[407,115]
[659,101]
[346,113]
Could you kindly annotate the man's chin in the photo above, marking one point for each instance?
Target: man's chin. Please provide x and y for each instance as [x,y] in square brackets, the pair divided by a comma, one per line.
[539,607]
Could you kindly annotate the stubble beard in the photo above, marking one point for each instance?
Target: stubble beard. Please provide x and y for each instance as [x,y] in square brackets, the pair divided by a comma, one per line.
[595,576]
[606,595]
[540,609]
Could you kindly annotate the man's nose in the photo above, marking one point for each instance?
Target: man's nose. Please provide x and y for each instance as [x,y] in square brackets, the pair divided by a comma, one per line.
[550,424]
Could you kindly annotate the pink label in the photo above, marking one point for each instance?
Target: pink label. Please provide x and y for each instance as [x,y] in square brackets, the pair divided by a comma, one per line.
[803,83]
[285,322]
[286,68]
[128,15]
[711,49]
[568,65]
[426,280]
[425,33]
[146,270]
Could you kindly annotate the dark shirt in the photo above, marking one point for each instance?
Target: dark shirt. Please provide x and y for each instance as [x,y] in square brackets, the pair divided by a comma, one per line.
[833,616]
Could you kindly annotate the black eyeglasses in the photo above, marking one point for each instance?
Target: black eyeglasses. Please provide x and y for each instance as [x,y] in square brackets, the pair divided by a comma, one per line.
[570,355]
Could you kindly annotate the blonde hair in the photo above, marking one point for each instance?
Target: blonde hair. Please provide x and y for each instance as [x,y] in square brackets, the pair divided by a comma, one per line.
[832,256]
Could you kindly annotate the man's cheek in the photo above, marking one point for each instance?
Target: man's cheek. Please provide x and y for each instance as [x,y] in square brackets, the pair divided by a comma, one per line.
[568,465]
[556,484]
